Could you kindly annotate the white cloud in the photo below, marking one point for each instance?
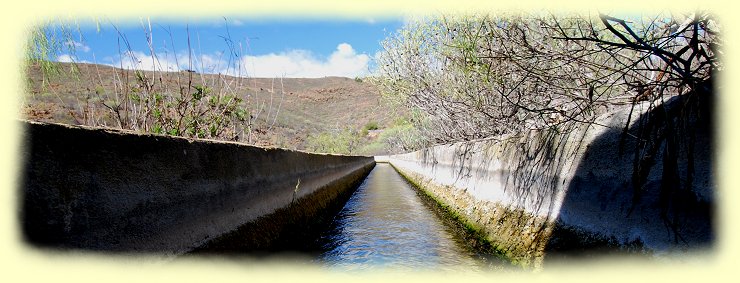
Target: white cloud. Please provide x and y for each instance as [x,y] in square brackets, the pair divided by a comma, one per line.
[65,58]
[142,61]
[343,62]
[209,63]
[78,46]
[220,23]
[170,62]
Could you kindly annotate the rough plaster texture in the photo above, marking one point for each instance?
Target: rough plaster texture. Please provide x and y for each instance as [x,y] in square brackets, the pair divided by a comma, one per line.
[107,190]
[526,191]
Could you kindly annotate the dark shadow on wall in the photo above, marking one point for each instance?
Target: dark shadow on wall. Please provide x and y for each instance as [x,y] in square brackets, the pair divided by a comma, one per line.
[110,191]
[645,188]
[532,163]
[531,171]
[652,188]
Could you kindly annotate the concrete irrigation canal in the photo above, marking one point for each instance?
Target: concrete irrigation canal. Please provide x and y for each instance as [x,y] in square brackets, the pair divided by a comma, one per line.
[523,198]
[109,191]
[386,223]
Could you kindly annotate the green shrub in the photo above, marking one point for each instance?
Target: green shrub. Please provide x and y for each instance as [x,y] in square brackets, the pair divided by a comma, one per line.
[142,100]
[372,125]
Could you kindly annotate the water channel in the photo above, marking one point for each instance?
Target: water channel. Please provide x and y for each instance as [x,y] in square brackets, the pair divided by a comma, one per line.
[386,224]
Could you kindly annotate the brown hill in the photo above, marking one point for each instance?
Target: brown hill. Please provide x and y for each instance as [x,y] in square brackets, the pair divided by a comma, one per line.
[304,107]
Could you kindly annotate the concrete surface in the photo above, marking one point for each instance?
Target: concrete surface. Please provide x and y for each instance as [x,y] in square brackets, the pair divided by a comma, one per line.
[97,189]
[540,192]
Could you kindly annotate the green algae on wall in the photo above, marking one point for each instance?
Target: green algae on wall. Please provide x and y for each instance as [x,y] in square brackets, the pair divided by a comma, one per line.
[548,194]
[505,240]
[512,234]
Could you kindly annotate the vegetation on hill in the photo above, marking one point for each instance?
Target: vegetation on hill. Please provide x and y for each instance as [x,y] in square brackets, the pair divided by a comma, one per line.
[293,113]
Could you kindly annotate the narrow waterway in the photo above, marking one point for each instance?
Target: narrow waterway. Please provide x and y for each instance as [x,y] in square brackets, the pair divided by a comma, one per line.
[386,224]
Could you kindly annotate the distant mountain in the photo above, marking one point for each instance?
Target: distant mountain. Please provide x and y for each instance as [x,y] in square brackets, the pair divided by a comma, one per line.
[304,107]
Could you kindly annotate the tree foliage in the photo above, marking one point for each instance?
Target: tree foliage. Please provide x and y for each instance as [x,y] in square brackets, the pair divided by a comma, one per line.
[344,141]
[476,76]
[46,42]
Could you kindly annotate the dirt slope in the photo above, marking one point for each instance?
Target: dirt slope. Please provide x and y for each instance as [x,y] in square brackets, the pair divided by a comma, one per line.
[306,106]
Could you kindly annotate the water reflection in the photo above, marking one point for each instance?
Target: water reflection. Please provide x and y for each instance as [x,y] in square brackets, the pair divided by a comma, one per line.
[385,224]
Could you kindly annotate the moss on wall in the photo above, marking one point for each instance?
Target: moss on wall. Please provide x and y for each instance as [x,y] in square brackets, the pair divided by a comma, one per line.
[493,231]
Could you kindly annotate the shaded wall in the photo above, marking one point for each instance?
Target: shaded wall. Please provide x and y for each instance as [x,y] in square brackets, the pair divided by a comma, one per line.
[572,188]
[105,190]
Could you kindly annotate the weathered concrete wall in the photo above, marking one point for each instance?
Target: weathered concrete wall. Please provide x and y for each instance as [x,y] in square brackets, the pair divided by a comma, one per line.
[105,190]
[571,189]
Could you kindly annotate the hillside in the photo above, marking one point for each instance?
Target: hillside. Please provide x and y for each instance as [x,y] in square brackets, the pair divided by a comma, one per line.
[305,107]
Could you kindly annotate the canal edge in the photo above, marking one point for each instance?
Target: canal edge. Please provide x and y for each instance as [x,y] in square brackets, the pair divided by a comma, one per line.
[483,247]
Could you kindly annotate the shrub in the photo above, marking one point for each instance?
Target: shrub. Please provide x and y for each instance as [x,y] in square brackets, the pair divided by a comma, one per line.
[372,125]
[143,100]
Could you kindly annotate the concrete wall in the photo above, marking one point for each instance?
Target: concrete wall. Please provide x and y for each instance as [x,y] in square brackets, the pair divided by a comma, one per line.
[571,189]
[105,190]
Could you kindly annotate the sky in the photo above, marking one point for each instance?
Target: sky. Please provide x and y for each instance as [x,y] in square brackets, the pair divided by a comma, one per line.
[235,46]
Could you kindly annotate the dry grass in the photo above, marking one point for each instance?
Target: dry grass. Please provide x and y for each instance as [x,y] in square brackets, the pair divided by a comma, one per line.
[309,106]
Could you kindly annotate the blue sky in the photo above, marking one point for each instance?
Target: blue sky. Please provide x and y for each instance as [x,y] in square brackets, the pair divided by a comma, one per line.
[237,46]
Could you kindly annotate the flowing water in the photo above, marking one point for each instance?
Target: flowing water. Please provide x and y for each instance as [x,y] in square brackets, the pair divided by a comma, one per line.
[386,224]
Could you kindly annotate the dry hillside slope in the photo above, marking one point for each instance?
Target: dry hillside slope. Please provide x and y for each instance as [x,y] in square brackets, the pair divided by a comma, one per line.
[304,107]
